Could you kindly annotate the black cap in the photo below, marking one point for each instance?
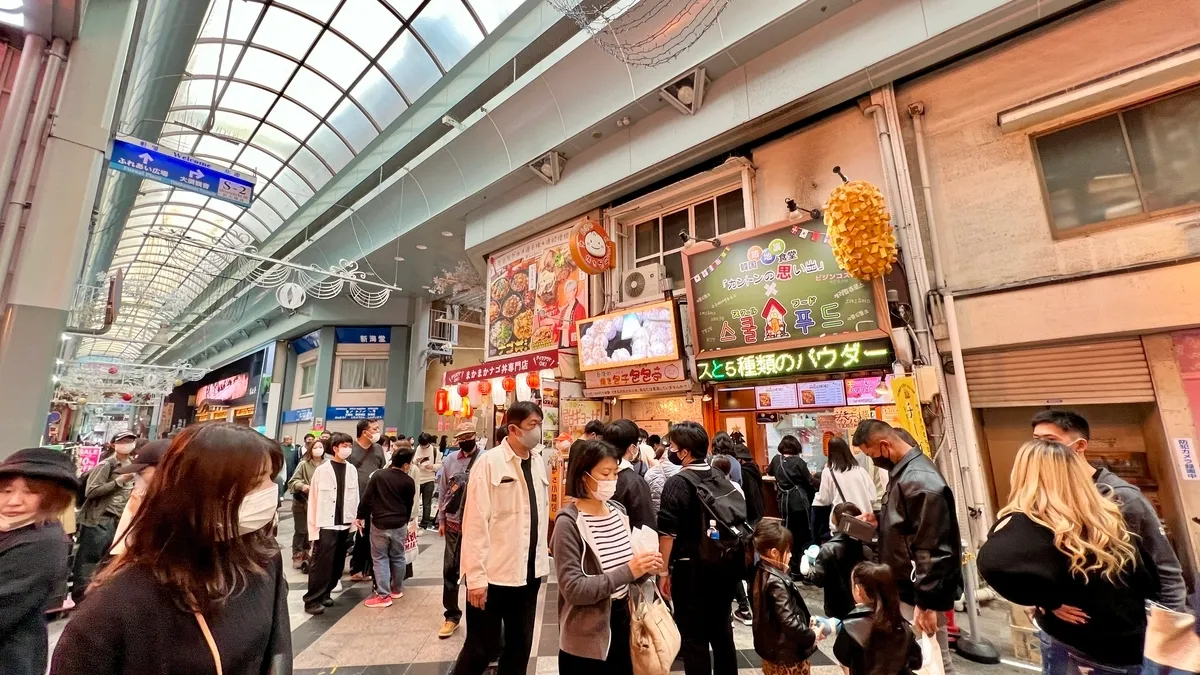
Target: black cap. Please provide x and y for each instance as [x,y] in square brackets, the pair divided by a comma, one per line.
[42,463]
[123,436]
[149,454]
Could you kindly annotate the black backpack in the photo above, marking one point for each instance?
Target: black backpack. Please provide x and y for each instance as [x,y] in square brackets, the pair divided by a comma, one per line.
[733,551]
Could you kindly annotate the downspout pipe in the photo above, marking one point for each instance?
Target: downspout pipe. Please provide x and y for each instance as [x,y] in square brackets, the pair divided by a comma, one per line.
[14,210]
[13,126]
[876,112]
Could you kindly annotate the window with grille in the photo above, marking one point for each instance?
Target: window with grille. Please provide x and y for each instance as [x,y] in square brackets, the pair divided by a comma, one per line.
[358,374]
[308,379]
[657,239]
[1124,166]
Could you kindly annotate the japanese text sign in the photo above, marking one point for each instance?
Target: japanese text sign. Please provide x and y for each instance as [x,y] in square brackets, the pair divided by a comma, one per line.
[635,375]
[908,410]
[776,287]
[1185,451]
[514,366]
[145,159]
[830,358]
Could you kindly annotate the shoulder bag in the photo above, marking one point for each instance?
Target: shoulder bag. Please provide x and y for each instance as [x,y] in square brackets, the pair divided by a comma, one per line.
[653,636]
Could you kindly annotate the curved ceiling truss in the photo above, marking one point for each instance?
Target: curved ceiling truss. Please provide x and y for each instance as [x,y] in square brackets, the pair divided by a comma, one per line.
[288,91]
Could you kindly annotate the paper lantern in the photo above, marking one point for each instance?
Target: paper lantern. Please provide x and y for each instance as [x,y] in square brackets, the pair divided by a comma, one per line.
[474,396]
[860,230]
[441,401]
[464,389]
[485,387]
[509,383]
[533,380]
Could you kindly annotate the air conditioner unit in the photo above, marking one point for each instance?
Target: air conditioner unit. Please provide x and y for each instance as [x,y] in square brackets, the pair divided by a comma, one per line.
[643,284]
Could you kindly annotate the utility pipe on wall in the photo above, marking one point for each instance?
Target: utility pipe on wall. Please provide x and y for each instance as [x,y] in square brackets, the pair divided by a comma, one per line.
[15,116]
[14,209]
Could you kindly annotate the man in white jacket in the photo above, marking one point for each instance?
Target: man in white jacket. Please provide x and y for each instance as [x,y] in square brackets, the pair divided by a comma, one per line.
[504,549]
[332,507]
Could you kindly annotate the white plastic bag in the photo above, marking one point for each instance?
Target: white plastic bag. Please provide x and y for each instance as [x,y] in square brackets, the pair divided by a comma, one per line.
[931,656]
[644,540]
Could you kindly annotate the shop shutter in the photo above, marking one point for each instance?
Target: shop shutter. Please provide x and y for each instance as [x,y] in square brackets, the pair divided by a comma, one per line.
[1097,372]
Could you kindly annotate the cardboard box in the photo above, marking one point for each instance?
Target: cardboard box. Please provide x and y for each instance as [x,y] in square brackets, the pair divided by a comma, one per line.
[1027,646]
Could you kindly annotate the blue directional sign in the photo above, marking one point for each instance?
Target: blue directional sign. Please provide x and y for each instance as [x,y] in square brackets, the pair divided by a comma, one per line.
[141,158]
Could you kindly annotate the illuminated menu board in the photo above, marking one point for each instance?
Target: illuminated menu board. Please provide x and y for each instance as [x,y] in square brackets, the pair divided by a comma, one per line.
[866,391]
[828,358]
[776,287]
[824,394]
[776,397]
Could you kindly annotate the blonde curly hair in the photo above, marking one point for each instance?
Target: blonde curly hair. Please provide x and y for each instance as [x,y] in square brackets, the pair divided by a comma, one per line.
[1053,487]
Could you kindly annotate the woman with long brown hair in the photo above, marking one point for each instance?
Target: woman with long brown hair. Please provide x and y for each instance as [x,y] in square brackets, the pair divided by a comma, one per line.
[1061,545]
[200,587]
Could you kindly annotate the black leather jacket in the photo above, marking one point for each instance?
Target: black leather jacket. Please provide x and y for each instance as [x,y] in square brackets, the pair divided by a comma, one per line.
[781,631]
[918,534]
[866,650]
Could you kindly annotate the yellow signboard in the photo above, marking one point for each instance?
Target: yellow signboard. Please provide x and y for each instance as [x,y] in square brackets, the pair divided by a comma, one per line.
[908,410]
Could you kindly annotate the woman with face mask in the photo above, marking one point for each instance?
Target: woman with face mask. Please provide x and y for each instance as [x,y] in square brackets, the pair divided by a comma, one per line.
[299,485]
[595,564]
[200,588]
[36,487]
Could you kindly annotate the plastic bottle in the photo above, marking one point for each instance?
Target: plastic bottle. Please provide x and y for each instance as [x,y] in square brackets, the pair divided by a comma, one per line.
[825,626]
[712,532]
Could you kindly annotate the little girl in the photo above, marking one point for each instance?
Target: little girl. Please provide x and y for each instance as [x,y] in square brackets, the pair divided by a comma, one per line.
[782,636]
[874,639]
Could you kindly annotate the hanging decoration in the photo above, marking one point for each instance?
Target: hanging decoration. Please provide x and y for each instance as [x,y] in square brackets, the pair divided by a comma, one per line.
[441,401]
[107,380]
[533,380]
[467,410]
[464,389]
[509,383]
[127,397]
[860,230]
[473,395]
[485,387]
[643,33]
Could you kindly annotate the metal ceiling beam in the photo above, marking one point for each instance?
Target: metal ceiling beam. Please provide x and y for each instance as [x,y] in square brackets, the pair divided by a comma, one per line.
[169,29]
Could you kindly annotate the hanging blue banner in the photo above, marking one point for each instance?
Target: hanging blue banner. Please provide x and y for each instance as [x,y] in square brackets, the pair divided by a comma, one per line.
[307,343]
[362,412]
[145,159]
[363,335]
[297,415]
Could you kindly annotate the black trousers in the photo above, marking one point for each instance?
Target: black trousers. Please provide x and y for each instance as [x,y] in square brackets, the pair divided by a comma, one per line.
[451,575]
[619,662]
[360,557]
[327,565]
[427,503]
[702,613]
[504,626]
[93,541]
[300,535]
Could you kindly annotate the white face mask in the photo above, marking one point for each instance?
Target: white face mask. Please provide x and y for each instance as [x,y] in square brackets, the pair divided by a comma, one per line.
[139,484]
[124,448]
[376,436]
[318,451]
[10,523]
[530,438]
[344,452]
[604,490]
[257,510]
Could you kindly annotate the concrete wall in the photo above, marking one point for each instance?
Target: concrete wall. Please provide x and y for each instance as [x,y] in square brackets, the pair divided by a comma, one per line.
[987,197]
[364,397]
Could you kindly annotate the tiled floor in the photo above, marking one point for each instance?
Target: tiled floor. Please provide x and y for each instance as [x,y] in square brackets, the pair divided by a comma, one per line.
[352,639]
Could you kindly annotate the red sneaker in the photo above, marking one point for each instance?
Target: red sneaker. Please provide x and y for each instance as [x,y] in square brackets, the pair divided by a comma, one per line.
[378,601]
[396,595]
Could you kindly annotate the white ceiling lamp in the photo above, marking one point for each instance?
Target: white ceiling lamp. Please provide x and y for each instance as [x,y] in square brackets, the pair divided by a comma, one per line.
[549,167]
[686,94]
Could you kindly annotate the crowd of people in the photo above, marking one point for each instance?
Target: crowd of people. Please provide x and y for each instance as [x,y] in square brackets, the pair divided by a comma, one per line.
[177,569]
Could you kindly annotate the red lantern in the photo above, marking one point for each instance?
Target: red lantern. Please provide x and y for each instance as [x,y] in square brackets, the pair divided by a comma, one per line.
[485,387]
[509,383]
[112,370]
[464,389]
[441,401]
[533,380]
[127,397]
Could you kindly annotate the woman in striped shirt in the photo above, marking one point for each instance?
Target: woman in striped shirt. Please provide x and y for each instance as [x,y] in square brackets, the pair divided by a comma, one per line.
[595,563]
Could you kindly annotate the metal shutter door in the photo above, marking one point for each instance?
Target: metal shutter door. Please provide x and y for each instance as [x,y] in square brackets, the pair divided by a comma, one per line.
[1097,372]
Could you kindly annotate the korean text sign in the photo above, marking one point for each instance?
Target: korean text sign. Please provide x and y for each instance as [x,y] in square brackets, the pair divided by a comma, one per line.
[776,287]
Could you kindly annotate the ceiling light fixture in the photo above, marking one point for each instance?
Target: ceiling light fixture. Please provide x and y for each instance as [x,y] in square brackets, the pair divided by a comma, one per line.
[447,233]
[686,94]
[549,167]
[421,247]
[399,258]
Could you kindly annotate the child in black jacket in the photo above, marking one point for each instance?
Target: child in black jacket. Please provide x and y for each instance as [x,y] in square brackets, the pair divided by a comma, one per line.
[874,639]
[836,560]
[782,636]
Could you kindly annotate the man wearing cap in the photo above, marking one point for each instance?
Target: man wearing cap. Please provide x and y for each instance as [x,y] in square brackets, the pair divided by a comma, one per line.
[37,486]
[142,468]
[104,500]
[452,493]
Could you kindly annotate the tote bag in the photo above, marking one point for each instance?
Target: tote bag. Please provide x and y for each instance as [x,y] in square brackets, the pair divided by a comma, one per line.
[1172,643]
[653,636]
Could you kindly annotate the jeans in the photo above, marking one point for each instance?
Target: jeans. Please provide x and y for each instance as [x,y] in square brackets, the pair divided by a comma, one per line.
[1059,659]
[943,639]
[507,618]
[427,503]
[327,565]
[387,552]
[451,575]
[93,541]
[702,612]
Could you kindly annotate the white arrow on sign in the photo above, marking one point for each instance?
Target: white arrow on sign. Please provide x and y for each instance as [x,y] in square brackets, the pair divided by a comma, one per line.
[146,158]
[196,174]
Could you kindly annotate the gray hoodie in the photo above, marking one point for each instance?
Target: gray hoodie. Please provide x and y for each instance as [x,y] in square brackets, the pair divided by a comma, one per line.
[584,591]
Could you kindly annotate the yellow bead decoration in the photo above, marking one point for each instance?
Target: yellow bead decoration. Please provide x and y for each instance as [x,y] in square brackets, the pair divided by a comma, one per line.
[860,230]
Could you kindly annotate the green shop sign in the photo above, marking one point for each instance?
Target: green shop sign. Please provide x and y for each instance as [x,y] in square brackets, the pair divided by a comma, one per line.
[818,359]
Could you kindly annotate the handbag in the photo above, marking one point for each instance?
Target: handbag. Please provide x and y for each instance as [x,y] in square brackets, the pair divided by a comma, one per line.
[1172,643]
[931,657]
[653,636]
[212,644]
